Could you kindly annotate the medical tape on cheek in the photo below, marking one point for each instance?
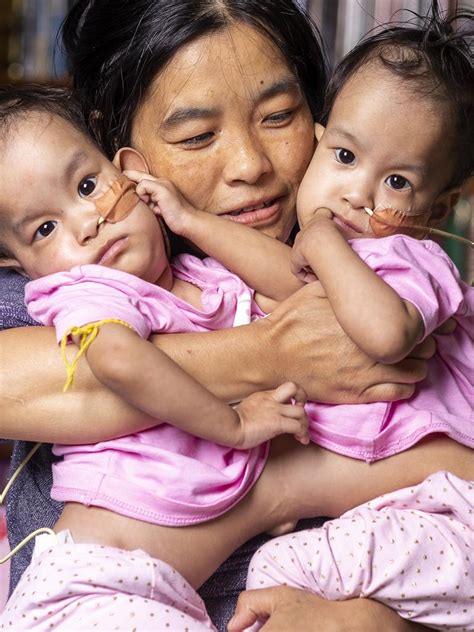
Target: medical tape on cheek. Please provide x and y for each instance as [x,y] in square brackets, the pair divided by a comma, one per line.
[118,201]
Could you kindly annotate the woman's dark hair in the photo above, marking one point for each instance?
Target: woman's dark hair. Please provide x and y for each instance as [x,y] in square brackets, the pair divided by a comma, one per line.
[116,48]
[433,54]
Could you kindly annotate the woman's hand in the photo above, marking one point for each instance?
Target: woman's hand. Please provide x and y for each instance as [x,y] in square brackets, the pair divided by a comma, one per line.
[284,608]
[303,342]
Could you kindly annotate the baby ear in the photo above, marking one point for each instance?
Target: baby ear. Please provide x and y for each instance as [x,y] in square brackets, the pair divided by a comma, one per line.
[443,205]
[12,263]
[318,131]
[128,158]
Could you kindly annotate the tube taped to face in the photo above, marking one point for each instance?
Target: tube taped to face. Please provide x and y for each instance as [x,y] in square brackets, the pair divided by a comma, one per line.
[387,221]
[118,201]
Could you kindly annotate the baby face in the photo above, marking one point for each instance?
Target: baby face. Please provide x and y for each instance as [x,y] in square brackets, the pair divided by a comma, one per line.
[51,177]
[382,147]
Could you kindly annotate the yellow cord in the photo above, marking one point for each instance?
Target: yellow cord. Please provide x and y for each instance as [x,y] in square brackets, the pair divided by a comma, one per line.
[3,495]
[29,537]
[88,334]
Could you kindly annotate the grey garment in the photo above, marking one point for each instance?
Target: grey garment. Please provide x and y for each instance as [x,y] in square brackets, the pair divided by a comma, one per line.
[12,307]
[29,504]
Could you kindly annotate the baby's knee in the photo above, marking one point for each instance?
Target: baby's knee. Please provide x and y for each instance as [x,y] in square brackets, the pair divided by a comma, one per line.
[267,566]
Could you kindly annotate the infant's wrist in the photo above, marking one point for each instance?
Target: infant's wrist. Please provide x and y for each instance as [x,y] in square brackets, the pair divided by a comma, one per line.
[195,225]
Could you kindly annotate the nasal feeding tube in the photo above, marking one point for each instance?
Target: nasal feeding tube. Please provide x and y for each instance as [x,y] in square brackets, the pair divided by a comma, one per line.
[387,221]
[117,202]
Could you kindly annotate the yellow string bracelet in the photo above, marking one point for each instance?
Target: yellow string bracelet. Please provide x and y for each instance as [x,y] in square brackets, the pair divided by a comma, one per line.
[88,334]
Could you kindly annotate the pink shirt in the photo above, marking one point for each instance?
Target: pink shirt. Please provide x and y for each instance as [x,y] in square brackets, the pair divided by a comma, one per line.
[161,475]
[422,273]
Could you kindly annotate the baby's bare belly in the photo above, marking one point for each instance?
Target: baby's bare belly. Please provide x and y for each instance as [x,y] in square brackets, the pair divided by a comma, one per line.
[284,492]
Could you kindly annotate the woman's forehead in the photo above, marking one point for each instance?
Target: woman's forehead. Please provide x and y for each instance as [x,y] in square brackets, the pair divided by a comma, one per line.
[238,61]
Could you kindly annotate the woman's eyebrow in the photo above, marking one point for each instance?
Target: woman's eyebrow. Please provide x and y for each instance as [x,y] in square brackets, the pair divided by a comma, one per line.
[182,115]
[283,86]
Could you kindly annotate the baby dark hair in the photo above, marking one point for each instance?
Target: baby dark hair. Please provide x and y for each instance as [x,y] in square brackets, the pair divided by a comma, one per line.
[436,60]
[17,103]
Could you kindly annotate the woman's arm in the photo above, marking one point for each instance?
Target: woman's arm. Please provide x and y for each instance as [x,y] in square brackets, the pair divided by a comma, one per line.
[150,381]
[381,323]
[300,341]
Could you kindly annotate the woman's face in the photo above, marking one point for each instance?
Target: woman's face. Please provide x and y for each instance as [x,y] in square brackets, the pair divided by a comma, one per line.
[226,121]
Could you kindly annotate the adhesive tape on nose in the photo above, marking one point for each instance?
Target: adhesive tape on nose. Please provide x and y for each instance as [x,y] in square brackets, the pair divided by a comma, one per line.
[118,201]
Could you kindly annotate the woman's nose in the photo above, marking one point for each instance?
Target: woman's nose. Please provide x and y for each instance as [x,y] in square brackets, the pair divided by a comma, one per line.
[246,160]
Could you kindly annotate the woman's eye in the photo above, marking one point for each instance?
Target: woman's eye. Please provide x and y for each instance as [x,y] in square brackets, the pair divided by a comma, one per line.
[44,230]
[200,139]
[279,117]
[87,186]
[344,156]
[397,182]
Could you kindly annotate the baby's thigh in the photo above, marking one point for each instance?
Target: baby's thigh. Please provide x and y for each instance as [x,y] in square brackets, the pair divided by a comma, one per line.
[312,481]
[410,550]
[87,586]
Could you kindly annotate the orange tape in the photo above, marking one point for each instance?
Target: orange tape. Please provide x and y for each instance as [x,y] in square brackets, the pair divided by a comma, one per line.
[118,201]
[388,221]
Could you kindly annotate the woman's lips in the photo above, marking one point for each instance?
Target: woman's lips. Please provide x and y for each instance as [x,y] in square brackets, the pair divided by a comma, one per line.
[112,250]
[256,214]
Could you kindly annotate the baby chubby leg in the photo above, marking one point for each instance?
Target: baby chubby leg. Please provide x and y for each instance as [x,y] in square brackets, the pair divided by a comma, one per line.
[77,586]
[412,550]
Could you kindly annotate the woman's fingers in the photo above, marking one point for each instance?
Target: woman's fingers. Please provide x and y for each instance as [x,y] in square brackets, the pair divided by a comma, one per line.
[305,343]
[253,605]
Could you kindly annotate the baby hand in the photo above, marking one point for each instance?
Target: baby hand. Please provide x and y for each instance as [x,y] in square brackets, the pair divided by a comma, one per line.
[267,414]
[165,200]
[306,240]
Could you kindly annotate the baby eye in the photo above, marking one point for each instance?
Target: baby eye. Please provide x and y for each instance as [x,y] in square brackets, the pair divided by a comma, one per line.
[44,230]
[344,156]
[87,186]
[397,182]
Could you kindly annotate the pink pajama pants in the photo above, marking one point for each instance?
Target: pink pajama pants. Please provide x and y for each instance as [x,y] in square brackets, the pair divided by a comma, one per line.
[412,550]
[73,586]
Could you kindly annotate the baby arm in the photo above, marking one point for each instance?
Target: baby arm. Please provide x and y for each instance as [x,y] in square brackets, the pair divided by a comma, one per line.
[260,261]
[149,380]
[373,315]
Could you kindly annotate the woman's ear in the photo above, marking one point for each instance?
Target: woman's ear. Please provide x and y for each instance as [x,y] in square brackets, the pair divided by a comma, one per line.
[443,205]
[128,158]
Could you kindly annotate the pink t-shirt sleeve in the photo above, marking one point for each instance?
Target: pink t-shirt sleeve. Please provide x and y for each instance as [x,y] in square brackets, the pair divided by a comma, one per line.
[420,272]
[84,295]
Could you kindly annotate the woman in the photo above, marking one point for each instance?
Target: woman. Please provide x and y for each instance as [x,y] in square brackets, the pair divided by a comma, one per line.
[238,147]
